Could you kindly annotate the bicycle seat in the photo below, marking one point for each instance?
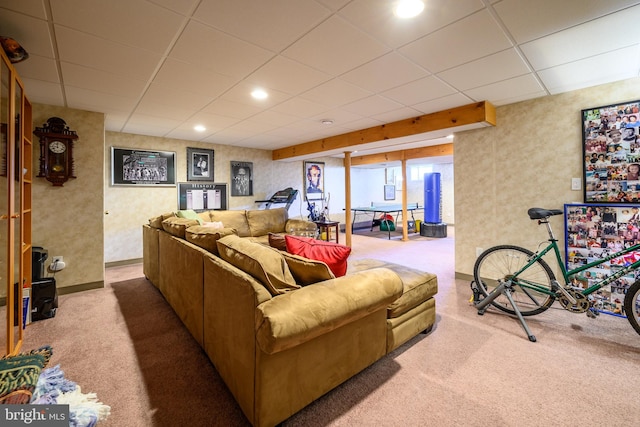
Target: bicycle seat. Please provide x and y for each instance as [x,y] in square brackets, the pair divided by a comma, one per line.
[539,213]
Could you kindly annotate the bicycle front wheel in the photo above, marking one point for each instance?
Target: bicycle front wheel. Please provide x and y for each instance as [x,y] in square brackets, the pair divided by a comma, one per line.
[500,263]
[632,305]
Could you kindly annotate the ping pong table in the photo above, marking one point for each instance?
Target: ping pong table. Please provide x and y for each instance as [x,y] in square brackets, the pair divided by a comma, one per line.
[384,210]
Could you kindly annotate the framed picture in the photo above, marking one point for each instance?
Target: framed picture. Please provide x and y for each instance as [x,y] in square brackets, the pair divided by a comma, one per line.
[143,167]
[314,180]
[199,164]
[241,178]
[594,231]
[389,192]
[611,153]
[202,196]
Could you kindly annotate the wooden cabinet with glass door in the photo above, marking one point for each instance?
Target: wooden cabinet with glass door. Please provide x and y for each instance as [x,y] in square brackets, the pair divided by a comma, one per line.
[16,165]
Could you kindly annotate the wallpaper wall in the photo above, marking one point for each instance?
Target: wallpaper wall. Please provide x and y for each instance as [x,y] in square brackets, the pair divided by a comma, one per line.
[68,220]
[526,161]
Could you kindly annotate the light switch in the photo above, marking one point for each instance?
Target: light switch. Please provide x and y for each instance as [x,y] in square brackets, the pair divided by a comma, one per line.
[576,183]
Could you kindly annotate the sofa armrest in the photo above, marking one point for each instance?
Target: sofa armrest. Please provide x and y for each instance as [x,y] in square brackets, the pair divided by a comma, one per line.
[299,316]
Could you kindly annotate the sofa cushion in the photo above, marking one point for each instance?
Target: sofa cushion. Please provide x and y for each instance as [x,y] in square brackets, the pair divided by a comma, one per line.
[307,271]
[332,254]
[265,264]
[156,221]
[189,214]
[263,222]
[277,241]
[206,237]
[233,219]
[177,226]
[418,286]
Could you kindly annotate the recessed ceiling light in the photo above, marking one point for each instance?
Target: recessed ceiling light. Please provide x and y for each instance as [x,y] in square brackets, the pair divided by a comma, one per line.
[326,122]
[408,8]
[259,94]
[199,128]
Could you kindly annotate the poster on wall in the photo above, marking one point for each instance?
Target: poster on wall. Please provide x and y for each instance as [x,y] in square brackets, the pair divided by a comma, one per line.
[143,167]
[611,149]
[202,196]
[314,180]
[241,178]
[594,231]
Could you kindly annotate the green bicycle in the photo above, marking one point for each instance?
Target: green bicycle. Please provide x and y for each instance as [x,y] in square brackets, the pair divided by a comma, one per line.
[519,282]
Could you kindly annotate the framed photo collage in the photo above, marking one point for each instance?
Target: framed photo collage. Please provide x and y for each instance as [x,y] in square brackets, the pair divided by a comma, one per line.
[612,153]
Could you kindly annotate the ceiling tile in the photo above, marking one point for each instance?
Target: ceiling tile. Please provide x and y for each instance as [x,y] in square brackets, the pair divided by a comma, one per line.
[89,78]
[149,125]
[300,107]
[466,40]
[419,91]
[183,7]
[493,68]
[31,33]
[182,100]
[287,76]
[376,17]
[90,100]
[40,68]
[43,92]
[502,92]
[335,93]
[528,20]
[274,27]
[561,48]
[395,115]
[593,71]
[232,109]
[179,75]
[213,122]
[384,73]
[444,103]
[335,47]
[372,105]
[131,22]
[334,4]
[94,52]
[222,53]
[242,93]
[33,8]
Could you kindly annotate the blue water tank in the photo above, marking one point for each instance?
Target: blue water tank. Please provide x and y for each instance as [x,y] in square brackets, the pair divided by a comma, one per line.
[432,196]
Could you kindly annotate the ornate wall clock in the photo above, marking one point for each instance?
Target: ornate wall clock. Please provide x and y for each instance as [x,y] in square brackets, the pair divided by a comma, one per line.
[56,151]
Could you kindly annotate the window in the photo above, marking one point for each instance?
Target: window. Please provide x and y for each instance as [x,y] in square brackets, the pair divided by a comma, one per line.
[416,173]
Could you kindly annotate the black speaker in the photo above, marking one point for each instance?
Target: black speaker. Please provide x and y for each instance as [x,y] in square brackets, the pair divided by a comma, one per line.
[44,299]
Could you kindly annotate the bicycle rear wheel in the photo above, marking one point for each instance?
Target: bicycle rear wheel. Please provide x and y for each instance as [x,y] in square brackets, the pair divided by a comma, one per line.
[501,263]
[632,305]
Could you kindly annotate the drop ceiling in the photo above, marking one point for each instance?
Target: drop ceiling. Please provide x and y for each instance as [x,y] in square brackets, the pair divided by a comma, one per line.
[161,67]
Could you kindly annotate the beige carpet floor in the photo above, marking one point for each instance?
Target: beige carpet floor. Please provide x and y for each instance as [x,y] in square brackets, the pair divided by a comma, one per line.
[124,343]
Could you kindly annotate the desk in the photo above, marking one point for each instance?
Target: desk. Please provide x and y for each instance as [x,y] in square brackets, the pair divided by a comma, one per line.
[384,209]
[326,226]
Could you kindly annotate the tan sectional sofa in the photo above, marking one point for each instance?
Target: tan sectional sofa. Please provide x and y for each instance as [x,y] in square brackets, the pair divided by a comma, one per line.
[278,352]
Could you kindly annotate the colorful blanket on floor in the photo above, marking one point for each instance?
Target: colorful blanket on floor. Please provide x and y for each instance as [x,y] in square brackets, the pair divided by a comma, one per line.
[85,410]
[25,379]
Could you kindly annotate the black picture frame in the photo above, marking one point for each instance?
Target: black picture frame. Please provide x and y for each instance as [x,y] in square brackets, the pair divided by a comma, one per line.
[241,178]
[313,173]
[389,192]
[202,196]
[200,164]
[611,153]
[143,168]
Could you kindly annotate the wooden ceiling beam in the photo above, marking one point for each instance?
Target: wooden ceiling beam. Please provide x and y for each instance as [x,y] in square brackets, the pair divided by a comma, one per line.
[479,112]
[396,156]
